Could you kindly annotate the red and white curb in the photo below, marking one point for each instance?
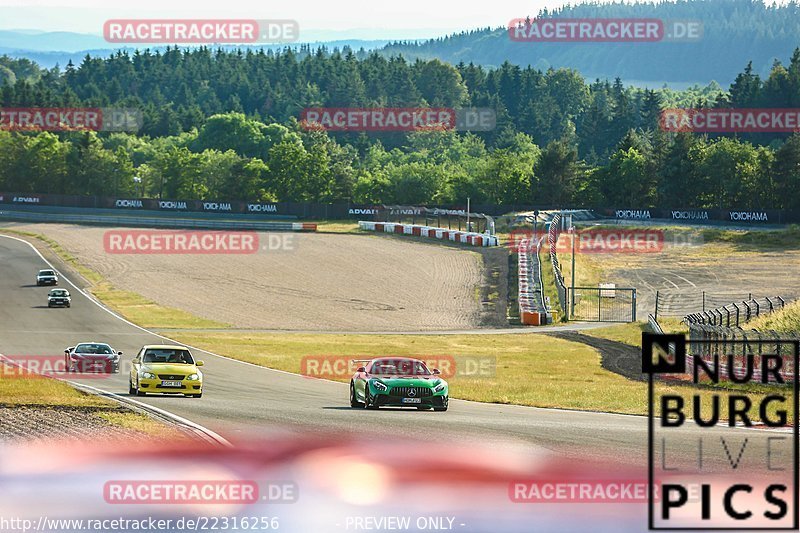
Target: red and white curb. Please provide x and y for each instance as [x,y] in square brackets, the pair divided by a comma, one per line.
[303,226]
[464,237]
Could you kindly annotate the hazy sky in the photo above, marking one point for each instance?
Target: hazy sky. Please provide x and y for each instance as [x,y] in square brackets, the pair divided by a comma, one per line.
[430,16]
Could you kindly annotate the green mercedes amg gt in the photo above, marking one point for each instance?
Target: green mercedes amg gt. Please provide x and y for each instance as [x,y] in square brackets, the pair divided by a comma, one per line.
[398,382]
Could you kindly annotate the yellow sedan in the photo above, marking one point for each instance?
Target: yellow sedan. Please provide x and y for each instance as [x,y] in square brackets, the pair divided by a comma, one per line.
[166,369]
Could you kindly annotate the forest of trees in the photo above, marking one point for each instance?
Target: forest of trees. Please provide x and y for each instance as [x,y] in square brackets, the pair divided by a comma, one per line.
[223,125]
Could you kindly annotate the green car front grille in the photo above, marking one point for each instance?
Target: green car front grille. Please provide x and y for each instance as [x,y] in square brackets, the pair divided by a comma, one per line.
[411,392]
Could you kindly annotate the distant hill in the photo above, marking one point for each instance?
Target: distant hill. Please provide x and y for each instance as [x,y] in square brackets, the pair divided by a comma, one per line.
[734,33]
[49,49]
[39,41]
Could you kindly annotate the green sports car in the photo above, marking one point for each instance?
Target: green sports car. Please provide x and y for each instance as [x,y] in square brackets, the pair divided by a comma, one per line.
[398,382]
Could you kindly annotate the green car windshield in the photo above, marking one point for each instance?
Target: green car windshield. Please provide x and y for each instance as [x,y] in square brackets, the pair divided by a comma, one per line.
[399,367]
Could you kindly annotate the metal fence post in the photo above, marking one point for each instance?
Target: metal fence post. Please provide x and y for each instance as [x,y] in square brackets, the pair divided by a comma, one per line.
[599,301]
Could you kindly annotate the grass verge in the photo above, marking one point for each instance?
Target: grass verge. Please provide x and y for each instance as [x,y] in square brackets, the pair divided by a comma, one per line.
[528,369]
[786,320]
[19,390]
[631,333]
[783,239]
[533,370]
[337,226]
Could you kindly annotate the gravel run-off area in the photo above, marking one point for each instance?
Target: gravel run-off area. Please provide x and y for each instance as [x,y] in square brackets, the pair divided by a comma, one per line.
[321,282]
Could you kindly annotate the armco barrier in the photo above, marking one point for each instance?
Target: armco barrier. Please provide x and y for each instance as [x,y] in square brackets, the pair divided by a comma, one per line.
[532,309]
[308,210]
[464,237]
[552,240]
[157,222]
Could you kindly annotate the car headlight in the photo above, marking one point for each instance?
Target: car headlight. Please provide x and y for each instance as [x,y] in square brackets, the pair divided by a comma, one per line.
[380,386]
[440,387]
[193,377]
[148,375]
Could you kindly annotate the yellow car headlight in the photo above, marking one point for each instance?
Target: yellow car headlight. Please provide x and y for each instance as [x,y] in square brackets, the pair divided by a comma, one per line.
[148,375]
[193,377]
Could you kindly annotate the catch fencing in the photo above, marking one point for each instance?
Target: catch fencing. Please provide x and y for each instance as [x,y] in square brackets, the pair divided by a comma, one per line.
[552,241]
[717,336]
[678,303]
[603,304]
[737,313]
[730,348]
[157,222]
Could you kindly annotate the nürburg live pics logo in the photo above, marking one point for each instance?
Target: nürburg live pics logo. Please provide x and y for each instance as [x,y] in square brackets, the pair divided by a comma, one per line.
[722,433]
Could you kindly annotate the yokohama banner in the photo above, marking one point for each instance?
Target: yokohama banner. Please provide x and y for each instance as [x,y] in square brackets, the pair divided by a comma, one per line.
[303,210]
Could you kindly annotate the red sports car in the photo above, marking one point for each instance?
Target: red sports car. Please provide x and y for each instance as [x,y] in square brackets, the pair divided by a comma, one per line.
[92,357]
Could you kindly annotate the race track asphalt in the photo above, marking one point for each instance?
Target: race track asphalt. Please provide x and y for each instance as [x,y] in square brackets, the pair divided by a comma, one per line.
[242,400]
